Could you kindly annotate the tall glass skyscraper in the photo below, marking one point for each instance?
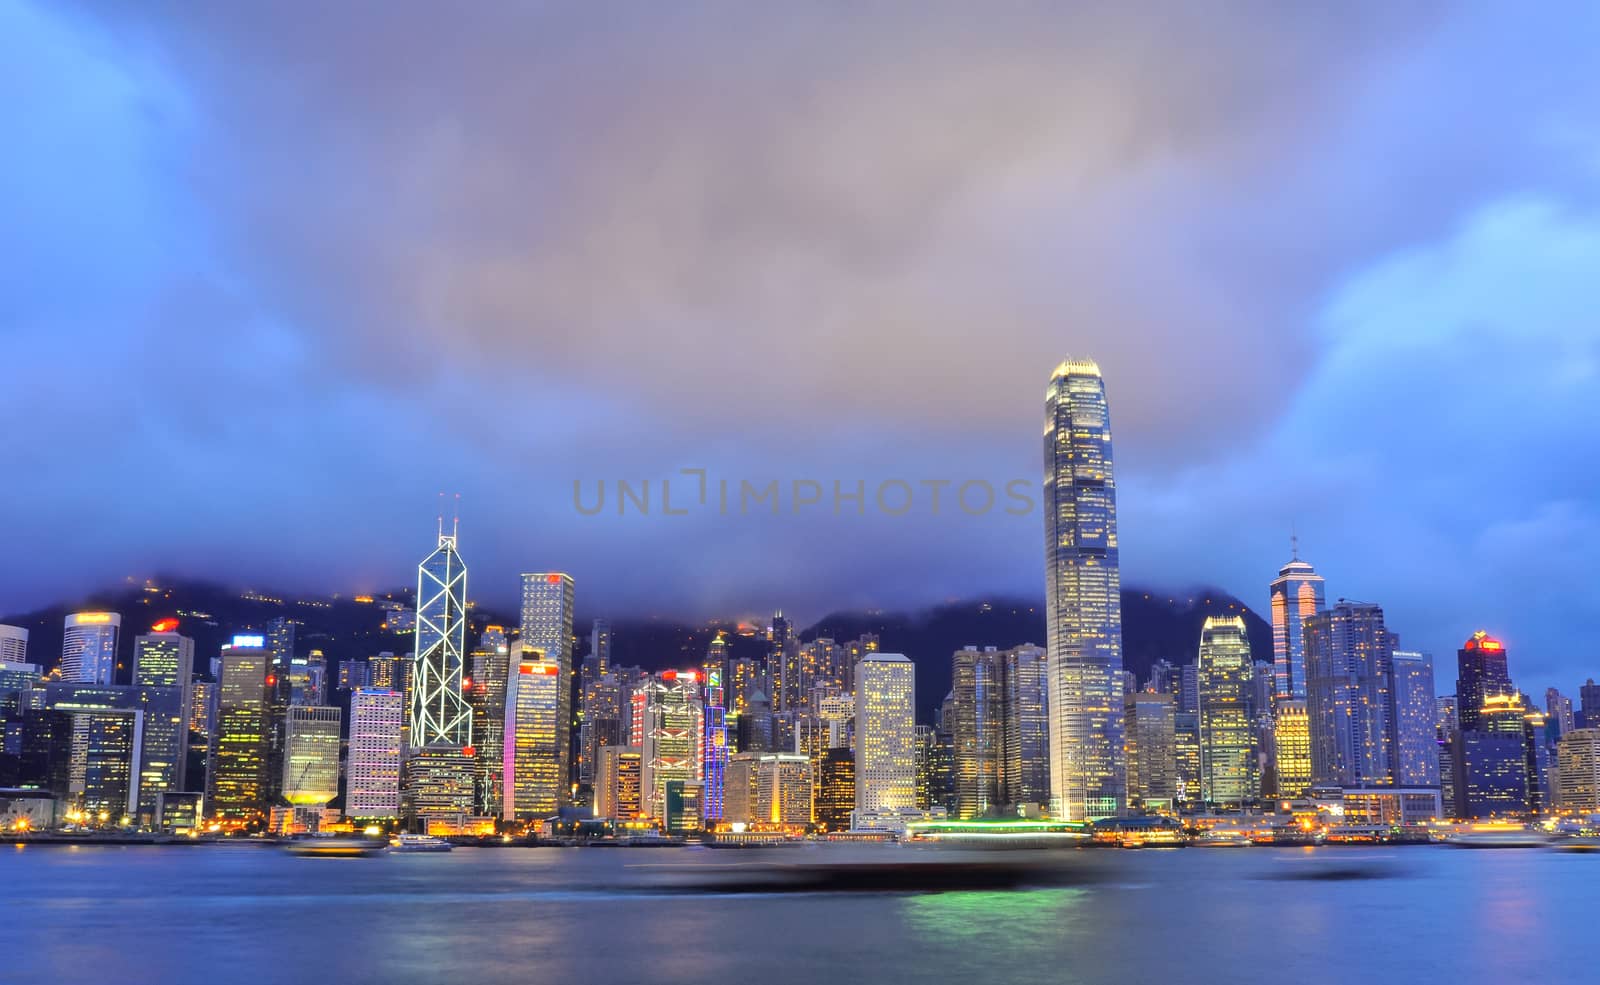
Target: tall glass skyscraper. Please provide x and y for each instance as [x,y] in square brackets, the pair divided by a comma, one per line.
[440,716]
[1083,597]
[1297,594]
[1416,738]
[372,776]
[1350,695]
[1481,674]
[89,648]
[534,772]
[1229,772]
[547,628]
[886,764]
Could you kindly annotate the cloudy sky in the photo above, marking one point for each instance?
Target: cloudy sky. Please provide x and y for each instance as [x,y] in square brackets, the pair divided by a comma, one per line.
[278,274]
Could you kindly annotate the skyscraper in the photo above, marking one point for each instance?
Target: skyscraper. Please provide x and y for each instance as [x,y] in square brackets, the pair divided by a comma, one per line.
[1578,755]
[1415,721]
[1291,744]
[1297,594]
[440,717]
[311,755]
[1229,773]
[600,645]
[547,627]
[89,648]
[1151,735]
[13,644]
[1000,729]
[490,673]
[437,780]
[1480,674]
[1083,602]
[372,775]
[534,769]
[669,722]
[886,765]
[238,773]
[616,785]
[1350,696]
[164,658]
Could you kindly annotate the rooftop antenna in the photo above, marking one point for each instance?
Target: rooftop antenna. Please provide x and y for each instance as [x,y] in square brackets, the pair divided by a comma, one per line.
[455,522]
[440,517]
[1294,543]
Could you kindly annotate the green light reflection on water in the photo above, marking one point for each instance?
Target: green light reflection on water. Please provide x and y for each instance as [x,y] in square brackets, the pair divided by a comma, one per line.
[960,918]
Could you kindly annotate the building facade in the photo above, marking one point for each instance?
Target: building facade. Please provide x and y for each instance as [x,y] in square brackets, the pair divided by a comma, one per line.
[1083,597]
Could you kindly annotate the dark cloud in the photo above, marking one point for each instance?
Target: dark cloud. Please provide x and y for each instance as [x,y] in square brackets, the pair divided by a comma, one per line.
[336,257]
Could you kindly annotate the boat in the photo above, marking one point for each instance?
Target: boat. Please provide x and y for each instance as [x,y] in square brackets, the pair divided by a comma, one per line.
[1576,843]
[1499,836]
[336,846]
[420,843]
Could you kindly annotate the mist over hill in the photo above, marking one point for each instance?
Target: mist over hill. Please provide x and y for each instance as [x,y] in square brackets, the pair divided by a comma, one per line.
[1155,625]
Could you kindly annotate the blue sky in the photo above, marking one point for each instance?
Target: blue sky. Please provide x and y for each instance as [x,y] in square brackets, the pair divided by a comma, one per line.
[278,274]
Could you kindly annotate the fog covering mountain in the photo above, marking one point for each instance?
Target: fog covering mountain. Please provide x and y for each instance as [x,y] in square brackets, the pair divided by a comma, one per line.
[1155,625]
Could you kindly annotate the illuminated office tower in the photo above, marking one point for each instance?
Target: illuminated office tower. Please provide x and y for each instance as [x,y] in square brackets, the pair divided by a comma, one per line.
[669,717]
[13,644]
[372,775]
[89,648]
[203,712]
[979,730]
[165,658]
[238,774]
[1350,696]
[600,713]
[311,755]
[1026,774]
[547,627]
[1291,742]
[437,781]
[280,642]
[1000,729]
[836,790]
[853,653]
[1578,767]
[1297,595]
[1480,674]
[769,788]
[783,665]
[1082,595]
[1229,775]
[886,759]
[489,673]
[439,715]
[1491,761]
[1416,739]
[617,783]
[716,658]
[1186,744]
[1149,729]
[535,771]
[744,680]
[390,672]
[927,751]
[669,720]
[714,743]
[100,748]
[163,746]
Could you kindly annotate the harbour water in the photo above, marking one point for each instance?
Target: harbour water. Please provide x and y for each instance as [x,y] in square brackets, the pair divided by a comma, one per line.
[244,914]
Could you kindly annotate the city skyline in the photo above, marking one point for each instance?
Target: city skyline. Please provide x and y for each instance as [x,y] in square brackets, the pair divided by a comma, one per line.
[1295,331]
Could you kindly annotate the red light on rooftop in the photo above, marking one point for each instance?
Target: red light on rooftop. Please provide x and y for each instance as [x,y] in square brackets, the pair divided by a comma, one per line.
[164,626]
[1483,641]
[553,579]
[272,679]
[466,683]
[469,750]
